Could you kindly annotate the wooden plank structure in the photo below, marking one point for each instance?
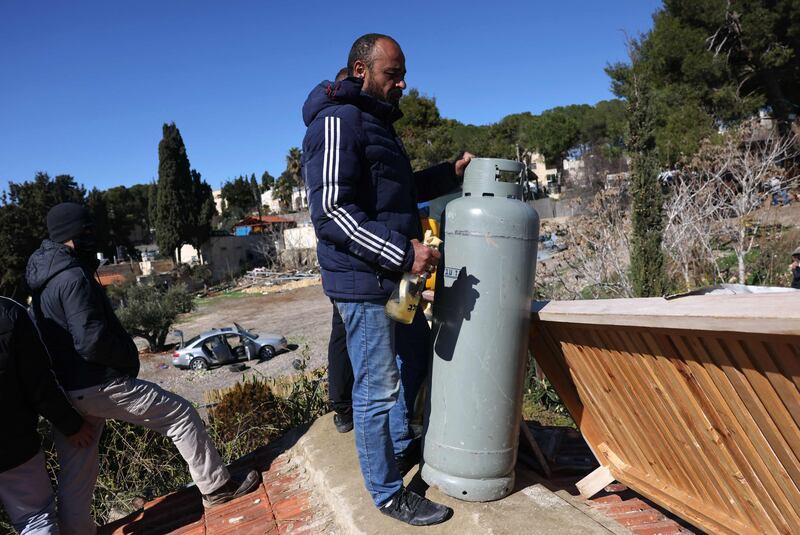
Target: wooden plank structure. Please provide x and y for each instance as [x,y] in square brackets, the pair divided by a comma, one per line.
[692,402]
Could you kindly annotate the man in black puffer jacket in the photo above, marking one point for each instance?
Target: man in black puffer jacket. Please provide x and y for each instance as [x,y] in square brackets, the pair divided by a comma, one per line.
[97,362]
[28,388]
[363,196]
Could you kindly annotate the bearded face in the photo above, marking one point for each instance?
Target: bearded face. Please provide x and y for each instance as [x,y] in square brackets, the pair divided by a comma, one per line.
[390,94]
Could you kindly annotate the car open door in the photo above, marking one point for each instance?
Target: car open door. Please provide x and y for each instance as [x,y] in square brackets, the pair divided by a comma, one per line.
[248,341]
[220,350]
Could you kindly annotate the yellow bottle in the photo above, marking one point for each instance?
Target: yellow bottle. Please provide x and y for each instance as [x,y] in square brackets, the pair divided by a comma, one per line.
[402,305]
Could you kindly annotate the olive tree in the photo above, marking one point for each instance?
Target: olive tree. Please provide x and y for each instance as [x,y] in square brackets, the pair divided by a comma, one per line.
[149,312]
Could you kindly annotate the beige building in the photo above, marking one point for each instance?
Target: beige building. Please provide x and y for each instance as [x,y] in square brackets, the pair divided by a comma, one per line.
[544,177]
[299,200]
[219,202]
[226,256]
[300,238]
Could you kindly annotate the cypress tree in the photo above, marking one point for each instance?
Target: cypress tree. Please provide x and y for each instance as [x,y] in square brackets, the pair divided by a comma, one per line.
[267,181]
[647,218]
[174,195]
[203,210]
[256,193]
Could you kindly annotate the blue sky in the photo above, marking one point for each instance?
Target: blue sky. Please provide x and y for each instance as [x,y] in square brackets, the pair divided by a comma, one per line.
[86,85]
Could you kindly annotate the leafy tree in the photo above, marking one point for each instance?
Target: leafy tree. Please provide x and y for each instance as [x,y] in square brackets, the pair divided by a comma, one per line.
[174,197]
[138,205]
[715,62]
[23,223]
[149,312]
[128,214]
[647,212]
[603,128]
[430,139]
[267,181]
[556,132]
[238,195]
[427,137]
[283,190]
[104,234]
[759,41]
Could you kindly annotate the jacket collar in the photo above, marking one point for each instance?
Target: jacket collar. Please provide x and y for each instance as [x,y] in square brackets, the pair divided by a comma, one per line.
[348,91]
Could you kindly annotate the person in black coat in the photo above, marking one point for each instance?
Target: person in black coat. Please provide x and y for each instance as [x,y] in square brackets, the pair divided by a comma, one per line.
[97,362]
[28,388]
[340,375]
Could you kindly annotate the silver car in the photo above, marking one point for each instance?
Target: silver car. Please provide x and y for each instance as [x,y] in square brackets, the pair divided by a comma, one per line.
[225,346]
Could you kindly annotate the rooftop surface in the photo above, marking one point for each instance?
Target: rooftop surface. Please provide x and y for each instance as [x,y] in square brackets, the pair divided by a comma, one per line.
[312,484]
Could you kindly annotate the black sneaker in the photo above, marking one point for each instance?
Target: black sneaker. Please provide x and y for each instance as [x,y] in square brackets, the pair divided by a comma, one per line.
[409,507]
[343,422]
[232,489]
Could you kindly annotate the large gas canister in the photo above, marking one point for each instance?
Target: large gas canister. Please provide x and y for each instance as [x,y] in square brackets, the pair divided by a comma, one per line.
[481,318]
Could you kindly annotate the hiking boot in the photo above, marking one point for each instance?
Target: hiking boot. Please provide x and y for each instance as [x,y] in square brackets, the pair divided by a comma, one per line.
[232,489]
[343,422]
[409,507]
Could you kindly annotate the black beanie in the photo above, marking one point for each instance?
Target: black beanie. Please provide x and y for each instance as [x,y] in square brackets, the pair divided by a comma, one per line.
[66,221]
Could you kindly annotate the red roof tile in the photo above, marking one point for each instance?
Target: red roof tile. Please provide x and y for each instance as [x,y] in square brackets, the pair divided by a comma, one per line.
[255,220]
[283,503]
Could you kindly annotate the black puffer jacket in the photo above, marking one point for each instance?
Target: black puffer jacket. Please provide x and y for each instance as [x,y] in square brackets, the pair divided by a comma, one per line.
[27,388]
[88,344]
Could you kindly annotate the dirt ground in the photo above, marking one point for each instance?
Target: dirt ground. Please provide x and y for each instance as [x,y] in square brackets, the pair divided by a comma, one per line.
[302,315]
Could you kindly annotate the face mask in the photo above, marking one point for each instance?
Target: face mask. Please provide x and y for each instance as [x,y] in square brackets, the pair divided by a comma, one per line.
[86,242]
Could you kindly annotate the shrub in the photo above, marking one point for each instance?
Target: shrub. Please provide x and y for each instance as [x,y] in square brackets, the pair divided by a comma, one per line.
[148,311]
[134,462]
[542,392]
[541,401]
[259,408]
[245,417]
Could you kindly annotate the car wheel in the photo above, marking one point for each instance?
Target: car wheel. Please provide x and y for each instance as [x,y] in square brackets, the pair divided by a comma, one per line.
[266,353]
[198,363]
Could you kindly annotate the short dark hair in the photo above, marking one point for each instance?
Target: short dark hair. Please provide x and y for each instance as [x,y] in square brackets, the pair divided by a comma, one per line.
[341,75]
[362,50]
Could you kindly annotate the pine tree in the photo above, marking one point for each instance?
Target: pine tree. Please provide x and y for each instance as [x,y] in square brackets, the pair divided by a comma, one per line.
[647,257]
[23,214]
[174,197]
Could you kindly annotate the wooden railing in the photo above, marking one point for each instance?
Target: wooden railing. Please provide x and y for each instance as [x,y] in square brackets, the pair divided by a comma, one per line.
[693,402]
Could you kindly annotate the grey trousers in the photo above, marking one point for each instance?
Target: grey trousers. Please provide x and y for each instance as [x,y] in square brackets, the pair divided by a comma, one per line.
[141,403]
[27,496]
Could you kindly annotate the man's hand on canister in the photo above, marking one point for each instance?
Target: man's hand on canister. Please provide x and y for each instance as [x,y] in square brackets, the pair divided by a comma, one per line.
[425,258]
[462,162]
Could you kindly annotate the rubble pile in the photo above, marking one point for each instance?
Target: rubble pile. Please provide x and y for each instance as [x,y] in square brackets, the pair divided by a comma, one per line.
[263,280]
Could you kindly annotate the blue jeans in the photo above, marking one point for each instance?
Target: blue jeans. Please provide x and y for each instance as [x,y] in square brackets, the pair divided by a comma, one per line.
[389,364]
[783,195]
